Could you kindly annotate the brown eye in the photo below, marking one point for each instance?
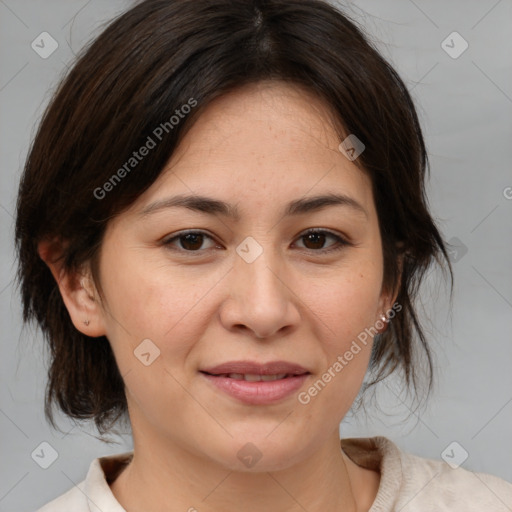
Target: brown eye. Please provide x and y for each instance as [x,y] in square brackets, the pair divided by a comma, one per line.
[192,241]
[315,240]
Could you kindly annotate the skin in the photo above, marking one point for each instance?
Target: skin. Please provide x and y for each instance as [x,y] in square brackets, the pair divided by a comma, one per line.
[258,149]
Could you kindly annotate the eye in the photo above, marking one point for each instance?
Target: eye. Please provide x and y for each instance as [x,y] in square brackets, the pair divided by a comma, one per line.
[315,239]
[189,241]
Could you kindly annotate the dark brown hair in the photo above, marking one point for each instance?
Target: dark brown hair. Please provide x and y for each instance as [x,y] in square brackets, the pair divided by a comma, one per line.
[130,80]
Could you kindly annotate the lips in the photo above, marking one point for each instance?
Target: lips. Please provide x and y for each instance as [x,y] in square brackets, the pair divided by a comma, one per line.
[257,384]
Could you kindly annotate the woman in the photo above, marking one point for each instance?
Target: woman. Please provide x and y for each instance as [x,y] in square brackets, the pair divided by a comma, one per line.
[222,227]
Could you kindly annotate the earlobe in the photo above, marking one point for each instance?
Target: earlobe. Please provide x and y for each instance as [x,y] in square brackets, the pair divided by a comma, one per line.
[77,290]
[386,309]
[383,320]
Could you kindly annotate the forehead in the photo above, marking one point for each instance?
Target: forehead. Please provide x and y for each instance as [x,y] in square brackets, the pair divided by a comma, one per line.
[264,144]
[277,114]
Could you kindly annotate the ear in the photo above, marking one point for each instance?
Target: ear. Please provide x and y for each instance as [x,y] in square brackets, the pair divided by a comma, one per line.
[77,289]
[388,306]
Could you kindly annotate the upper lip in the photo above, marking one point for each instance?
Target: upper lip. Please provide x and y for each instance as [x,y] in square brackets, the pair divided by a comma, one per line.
[254,368]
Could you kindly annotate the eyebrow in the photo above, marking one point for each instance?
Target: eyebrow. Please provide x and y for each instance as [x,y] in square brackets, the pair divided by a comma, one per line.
[214,206]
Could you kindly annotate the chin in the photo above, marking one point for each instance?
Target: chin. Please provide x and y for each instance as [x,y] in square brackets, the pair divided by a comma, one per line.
[257,453]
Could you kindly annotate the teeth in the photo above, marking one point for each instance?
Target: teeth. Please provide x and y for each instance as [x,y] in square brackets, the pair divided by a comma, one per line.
[274,377]
[236,376]
[255,378]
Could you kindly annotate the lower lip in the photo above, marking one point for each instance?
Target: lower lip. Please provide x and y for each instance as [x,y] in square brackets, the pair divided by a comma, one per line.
[260,392]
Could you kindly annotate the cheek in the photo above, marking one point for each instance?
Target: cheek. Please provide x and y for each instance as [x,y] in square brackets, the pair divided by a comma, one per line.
[346,304]
[148,301]
[346,308]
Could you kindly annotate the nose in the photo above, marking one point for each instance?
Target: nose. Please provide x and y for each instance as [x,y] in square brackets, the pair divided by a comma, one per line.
[261,299]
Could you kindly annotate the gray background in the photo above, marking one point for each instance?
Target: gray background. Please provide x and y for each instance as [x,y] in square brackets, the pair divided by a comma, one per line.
[465,105]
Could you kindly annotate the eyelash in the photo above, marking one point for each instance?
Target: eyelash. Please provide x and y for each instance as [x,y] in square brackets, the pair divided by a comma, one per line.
[340,241]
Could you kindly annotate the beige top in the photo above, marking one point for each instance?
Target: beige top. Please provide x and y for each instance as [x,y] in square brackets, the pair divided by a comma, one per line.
[408,483]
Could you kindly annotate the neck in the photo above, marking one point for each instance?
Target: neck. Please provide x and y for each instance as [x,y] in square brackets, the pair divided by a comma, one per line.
[165,477]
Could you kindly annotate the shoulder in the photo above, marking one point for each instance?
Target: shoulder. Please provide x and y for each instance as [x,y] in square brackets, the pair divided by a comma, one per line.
[74,499]
[433,483]
[92,494]
[414,484]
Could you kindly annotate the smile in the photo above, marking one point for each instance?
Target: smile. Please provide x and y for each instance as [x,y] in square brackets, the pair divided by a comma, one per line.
[255,389]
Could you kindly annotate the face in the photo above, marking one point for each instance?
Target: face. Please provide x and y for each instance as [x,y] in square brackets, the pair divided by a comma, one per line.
[263,274]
